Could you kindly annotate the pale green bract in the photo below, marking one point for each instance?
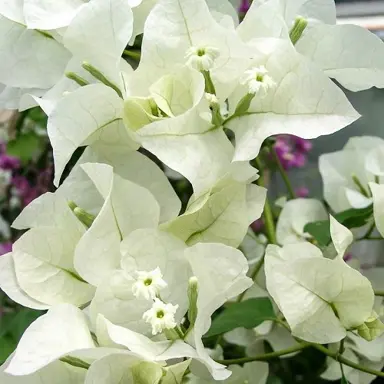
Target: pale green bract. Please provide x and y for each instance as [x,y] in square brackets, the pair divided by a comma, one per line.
[336,297]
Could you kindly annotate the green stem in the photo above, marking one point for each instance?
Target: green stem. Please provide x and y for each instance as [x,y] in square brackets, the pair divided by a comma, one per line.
[267,214]
[336,356]
[269,227]
[379,293]
[284,175]
[132,54]
[253,276]
[265,356]
[370,238]
[75,362]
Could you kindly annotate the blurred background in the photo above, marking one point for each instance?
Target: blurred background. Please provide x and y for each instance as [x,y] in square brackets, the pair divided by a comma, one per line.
[26,172]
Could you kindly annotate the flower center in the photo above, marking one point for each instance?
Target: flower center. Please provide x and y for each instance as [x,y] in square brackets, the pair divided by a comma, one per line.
[148,284]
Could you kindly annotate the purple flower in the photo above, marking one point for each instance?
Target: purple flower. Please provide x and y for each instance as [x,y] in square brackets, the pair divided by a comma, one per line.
[257,225]
[5,248]
[292,151]
[244,6]
[302,192]
[302,145]
[9,162]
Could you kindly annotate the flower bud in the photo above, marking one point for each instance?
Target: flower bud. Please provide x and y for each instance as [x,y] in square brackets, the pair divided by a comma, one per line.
[297,29]
[193,291]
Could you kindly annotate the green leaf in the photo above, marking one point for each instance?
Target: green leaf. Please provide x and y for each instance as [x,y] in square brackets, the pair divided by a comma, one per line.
[351,218]
[7,346]
[319,230]
[343,378]
[24,318]
[247,314]
[25,147]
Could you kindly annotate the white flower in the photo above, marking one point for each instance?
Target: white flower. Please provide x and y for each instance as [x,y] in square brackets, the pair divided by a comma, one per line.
[202,58]
[161,316]
[346,173]
[211,98]
[320,298]
[258,81]
[148,284]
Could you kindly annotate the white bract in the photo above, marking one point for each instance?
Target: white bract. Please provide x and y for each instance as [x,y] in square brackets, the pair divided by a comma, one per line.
[111,239]
[220,272]
[346,174]
[293,218]
[41,353]
[370,354]
[296,98]
[350,54]
[320,298]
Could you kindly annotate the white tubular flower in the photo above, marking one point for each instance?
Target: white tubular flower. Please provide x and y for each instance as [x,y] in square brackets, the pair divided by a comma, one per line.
[201,58]
[148,284]
[258,81]
[161,316]
[212,99]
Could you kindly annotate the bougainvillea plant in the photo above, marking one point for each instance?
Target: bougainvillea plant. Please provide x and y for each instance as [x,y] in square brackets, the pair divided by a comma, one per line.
[166,118]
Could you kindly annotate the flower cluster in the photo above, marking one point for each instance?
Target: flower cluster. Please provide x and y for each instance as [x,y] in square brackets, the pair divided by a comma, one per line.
[130,281]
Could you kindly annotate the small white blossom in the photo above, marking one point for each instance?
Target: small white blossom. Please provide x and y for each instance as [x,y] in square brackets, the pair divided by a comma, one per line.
[201,58]
[148,284]
[212,99]
[258,81]
[161,316]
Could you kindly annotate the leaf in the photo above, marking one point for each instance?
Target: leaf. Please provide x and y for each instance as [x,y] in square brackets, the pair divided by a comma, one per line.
[22,321]
[343,378]
[351,218]
[320,231]
[8,345]
[24,147]
[247,314]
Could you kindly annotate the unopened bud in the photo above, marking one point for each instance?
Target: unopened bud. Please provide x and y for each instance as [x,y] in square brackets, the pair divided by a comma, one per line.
[193,292]
[297,29]
[86,218]
[76,78]
[101,77]
[371,329]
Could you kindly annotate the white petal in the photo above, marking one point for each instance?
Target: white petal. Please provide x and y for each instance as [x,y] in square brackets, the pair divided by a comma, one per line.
[48,210]
[99,33]
[221,9]
[191,24]
[126,164]
[127,207]
[54,373]
[294,216]
[378,204]
[79,115]
[338,168]
[29,59]
[223,216]
[341,236]
[263,20]
[13,10]
[303,289]
[201,158]
[112,369]
[45,14]
[62,330]
[318,10]
[305,103]
[40,268]
[10,286]
[221,274]
[348,53]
